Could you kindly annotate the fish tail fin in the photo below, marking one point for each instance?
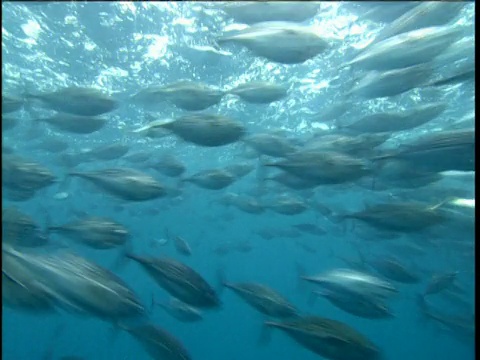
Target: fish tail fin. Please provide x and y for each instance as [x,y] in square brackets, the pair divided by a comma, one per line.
[216,44]
[167,233]
[312,298]
[301,283]
[180,184]
[153,302]
[261,176]
[265,334]
[221,280]
[114,331]
[48,226]
[58,331]
[124,255]
[360,254]
[218,41]
[420,301]
[423,308]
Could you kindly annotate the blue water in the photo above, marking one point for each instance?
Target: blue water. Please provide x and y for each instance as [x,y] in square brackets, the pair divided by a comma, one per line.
[122,47]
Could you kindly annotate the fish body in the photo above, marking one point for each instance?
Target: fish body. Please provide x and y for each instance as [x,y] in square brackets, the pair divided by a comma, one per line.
[77,101]
[124,183]
[280,42]
[264,299]
[181,281]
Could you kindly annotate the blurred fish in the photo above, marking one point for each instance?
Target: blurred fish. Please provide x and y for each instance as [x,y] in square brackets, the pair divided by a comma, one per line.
[124,183]
[181,311]
[281,42]
[215,179]
[20,229]
[440,282]
[270,144]
[11,104]
[287,205]
[397,121]
[457,300]
[438,151]
[272,233]
[180,281]
[202,129]
[138,157]
[7,150]
[407,49]
[259,92]
[400,174]
[22,174]
[357,145]
[73,283]
[323,167]
[186,95]
[461,325]
[461,76]
[18,194]
[243,246]
[52,145]
[25,297]
[383,12]
[291,181]
[328,338]
[158,343]
[376,84]
[77,101]
[181,245]
[425,14]
[95,232]
[247,204]
[333,112]
[310,229]
[394,270]
[356,303]
[264,299]
[75,124]
[106,152]
[406,249]
[167,165]
[404,217]
[240,170]
[357,264]
[357,281]
[460,50]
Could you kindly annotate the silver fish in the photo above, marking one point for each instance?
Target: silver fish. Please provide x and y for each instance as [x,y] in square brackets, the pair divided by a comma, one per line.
[280,42]
[124,183]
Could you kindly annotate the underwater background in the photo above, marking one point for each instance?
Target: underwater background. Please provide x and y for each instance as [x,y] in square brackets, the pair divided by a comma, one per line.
[122,48]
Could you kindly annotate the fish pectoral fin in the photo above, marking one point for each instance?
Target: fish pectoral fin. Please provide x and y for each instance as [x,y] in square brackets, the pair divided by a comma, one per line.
[122,258]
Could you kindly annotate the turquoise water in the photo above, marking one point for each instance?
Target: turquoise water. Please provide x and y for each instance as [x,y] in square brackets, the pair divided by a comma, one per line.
[123,47]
